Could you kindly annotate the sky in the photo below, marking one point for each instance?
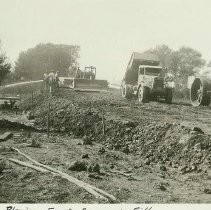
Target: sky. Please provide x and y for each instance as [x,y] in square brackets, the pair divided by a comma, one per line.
[108,31]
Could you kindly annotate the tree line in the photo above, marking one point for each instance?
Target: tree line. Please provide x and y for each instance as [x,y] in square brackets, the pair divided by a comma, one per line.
[181,63]
[5,65]
[43,58]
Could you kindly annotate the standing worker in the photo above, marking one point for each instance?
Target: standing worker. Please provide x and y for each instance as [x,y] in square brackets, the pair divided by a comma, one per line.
[46,81]
[57,80]
[52,80]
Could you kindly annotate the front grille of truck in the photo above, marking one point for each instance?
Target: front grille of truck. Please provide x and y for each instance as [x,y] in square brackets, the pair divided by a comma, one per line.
[158,83]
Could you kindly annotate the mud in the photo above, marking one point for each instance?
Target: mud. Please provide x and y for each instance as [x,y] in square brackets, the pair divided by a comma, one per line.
[166,148]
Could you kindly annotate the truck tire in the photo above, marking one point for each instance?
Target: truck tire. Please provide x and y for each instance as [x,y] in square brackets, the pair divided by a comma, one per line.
[198,92]
[169,95]
[126,91]
[143,94]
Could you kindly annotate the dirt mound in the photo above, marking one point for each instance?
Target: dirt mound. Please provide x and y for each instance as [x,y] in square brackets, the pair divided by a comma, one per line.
[155,141]
[70,111]
[164,143]
[82,99]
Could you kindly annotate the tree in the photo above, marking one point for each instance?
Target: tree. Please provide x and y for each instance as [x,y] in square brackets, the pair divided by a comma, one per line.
[5,66]
[163,52]
[173,63]
[189,60]
[33,63]
[180,63]
[183,64]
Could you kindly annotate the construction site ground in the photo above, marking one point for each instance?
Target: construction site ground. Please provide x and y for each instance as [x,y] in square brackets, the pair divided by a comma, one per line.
[145,153]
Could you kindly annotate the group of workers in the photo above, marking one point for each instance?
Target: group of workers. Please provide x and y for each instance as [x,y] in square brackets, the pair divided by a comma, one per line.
[85,74]
[51,81]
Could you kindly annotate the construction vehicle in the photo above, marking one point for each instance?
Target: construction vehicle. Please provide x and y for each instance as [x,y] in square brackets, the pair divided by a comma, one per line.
[145,79]
[84,80]
[200,88]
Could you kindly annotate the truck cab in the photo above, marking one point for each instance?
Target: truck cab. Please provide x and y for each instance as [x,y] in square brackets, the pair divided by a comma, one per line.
[147,75]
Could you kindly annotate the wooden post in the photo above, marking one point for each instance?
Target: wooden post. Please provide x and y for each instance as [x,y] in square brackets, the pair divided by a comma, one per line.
[48,116]
[32,99]
[103,122]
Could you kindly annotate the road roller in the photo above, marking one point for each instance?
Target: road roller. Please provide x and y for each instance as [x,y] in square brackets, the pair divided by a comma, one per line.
[200,90]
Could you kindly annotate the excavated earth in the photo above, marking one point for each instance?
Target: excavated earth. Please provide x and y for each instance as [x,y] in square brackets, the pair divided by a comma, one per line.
[146,153]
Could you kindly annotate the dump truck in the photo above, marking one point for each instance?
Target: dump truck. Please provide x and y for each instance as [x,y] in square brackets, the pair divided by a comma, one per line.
[145,79]
[84,80]
[200,87]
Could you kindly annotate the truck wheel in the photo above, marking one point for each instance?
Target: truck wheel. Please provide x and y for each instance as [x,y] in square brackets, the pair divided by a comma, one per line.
[198,93]
[143,94]
[169,96]
[126,91]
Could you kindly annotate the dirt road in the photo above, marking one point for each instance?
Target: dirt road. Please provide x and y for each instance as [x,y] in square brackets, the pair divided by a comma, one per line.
[149,153]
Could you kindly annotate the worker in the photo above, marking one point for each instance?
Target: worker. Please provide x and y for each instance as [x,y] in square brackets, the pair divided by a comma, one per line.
[92,75]
[46,81]
[82,74]
[79,73]
[87,74]
[52,81]
[57,80]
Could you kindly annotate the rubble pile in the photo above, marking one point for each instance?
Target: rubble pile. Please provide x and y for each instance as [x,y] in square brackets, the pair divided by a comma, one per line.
[74,113]
[171,144]
[155,141]
[70,119]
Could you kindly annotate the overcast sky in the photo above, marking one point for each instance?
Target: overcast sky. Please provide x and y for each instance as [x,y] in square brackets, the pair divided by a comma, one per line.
[108,31]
